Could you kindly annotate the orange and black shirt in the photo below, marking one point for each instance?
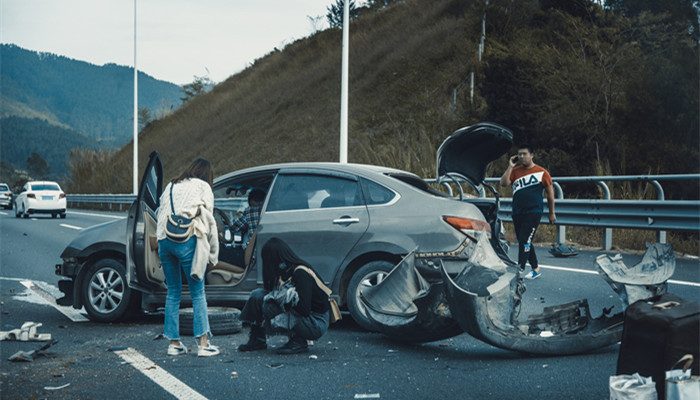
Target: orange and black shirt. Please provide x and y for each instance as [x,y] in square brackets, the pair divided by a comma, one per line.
[528,185]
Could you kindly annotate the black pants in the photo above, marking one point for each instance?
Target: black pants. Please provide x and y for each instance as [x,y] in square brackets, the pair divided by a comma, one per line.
[256,311]
[525,227]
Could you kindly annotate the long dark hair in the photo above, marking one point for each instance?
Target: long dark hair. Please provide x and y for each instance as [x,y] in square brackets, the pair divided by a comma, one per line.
[278,261]
[200,168]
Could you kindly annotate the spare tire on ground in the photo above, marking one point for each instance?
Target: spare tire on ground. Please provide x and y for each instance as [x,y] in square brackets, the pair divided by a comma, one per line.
[222,320]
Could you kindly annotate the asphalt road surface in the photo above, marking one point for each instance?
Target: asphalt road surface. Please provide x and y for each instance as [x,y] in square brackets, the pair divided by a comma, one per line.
[128,361]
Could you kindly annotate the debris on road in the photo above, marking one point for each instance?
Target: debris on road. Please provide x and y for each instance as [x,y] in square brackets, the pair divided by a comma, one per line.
[26,333]
[57,387]
[31,355]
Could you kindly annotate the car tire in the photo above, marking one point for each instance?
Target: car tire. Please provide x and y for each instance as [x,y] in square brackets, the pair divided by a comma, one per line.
[105,292]
[54,215]
[17,213]
[63,215]
[222,320]
[25,214]
[369,274]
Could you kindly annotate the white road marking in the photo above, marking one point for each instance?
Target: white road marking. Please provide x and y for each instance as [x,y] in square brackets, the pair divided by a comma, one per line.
[158,375]
[96,215]
[72,227]
[585,271]
[49,299]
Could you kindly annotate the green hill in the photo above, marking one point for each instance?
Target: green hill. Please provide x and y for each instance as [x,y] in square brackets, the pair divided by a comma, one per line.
[22,136]
[96,101]
[596,91]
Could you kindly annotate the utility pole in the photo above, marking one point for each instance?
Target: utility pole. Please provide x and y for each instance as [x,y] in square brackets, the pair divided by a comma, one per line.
[136,113]
[344,85]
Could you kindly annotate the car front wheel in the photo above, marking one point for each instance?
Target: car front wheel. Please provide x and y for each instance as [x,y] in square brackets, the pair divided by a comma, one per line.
[371,274]
[105,292]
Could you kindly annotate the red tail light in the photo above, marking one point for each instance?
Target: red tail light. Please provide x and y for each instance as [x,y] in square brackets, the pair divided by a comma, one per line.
[31,195]
[468,226]
[62,195]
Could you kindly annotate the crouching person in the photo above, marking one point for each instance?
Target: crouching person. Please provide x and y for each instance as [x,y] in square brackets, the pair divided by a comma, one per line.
[290,298]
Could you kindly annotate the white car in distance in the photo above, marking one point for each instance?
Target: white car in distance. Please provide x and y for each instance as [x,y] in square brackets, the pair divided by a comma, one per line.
[40,197]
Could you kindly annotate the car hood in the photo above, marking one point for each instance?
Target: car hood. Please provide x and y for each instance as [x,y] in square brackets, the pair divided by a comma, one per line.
[108,233]
[470,150]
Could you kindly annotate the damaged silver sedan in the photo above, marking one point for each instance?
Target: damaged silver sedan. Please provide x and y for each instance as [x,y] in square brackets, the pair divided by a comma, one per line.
[480,294]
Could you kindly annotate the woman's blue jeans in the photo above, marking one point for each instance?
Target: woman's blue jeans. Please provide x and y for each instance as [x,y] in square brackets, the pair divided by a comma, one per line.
[177,258]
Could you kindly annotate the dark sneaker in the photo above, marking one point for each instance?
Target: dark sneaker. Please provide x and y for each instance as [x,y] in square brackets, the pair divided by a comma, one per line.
[294,346]
[253,345]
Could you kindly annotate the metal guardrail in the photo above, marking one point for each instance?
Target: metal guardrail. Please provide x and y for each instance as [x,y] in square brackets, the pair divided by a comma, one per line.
[659,215]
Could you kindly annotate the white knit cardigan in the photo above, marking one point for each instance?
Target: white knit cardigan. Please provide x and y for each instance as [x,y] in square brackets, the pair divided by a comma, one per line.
[193,198]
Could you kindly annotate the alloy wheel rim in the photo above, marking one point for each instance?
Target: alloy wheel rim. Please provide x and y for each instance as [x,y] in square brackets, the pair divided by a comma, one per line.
[106,290]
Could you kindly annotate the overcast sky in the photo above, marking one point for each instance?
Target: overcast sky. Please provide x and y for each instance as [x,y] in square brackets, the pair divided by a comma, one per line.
[176,39]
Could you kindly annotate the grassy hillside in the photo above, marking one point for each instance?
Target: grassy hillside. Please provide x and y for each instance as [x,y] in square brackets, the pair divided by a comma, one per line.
[581,85]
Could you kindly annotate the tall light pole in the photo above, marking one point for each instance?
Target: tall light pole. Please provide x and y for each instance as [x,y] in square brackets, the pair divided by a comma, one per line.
[136,113]
[344,85]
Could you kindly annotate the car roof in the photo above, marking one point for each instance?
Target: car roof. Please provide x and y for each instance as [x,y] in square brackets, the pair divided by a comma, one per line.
[43,183]
[332,166]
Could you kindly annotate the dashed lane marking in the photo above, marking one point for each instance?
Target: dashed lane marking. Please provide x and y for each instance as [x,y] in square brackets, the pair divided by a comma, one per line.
[158,375]
[72,227]
[96,215]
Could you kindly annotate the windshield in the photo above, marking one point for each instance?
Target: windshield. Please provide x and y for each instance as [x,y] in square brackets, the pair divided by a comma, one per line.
[45,186]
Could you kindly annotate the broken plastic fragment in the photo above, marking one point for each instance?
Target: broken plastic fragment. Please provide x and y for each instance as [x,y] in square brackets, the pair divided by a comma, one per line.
[56,387]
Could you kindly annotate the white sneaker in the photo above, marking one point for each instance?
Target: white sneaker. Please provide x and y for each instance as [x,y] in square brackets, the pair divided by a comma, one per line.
[176,350]
[208,351]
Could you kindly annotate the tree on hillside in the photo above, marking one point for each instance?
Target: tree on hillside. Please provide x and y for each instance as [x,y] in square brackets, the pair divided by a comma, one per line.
[335,13]
[37,166]
[144,117]
[198,86]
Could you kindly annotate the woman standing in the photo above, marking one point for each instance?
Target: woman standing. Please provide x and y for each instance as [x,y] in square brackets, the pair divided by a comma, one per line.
[309,315]
[191,196]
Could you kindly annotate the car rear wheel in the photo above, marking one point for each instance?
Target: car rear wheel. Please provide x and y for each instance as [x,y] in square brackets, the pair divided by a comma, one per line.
[105,292]
[371,274]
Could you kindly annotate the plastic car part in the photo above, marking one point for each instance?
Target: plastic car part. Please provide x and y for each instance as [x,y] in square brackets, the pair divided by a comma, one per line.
[369,275]
[482,295]
[406,307]
[646,279]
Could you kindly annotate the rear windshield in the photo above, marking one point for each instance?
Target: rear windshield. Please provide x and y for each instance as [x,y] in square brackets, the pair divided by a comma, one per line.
[418,183]
[4,187]
[45,186]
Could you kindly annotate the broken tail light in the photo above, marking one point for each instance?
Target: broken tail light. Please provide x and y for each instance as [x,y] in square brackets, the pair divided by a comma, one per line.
[469,226]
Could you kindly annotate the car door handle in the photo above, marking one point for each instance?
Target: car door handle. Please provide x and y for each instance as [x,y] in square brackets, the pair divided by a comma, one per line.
[346,221]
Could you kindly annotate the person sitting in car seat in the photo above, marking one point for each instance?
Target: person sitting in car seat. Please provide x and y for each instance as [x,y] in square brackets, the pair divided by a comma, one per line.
[247,223]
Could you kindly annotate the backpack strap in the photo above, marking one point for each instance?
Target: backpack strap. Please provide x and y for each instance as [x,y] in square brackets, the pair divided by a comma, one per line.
[319,282]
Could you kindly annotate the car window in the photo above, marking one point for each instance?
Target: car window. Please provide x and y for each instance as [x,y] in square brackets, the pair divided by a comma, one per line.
[4,187]
[376,193]
[45,186]
[309,191]
[231,195]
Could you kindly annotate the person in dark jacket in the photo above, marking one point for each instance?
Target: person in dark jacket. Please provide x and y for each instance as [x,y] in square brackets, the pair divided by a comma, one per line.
[309,316]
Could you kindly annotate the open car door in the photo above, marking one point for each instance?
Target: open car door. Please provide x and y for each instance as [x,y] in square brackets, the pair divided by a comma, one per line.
[143,266]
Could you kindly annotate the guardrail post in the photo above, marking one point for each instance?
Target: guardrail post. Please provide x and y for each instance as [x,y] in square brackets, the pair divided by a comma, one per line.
[561,229]
[607,232]
[660,235]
